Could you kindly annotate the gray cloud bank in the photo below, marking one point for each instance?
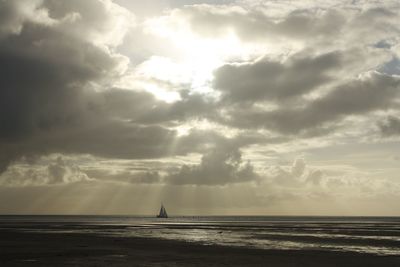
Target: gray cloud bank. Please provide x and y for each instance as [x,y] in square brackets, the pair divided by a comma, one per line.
[360,96]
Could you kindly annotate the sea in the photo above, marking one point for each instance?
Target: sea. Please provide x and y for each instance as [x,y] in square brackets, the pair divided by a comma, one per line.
[370,235]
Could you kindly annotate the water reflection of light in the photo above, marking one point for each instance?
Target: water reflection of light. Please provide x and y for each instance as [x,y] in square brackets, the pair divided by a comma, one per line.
[199,230]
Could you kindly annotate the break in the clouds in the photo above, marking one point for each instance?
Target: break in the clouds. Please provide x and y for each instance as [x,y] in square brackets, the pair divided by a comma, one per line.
[217,99]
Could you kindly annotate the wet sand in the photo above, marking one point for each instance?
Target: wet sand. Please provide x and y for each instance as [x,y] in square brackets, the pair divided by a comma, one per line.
[19,248]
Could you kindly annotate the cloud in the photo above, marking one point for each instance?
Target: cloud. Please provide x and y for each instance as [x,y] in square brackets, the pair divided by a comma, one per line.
[125,176]
[391,127]
[107,139]
[360,96]
[47,71]
[297,175]
[47,173]
[14,14]
[315,177]
[190,107]
[298,167]
[271,80]
[305,58]
[221,166]
[301,182]
[252,23]
[202,141]
[54,94]
[291,26]
[261,81]
[100,22]
[57,94]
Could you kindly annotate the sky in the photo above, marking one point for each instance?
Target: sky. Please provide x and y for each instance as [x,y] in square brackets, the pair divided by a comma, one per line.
[217,107]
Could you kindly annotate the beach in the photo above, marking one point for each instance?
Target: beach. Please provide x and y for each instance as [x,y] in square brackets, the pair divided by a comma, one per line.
[33,244]
[55,249]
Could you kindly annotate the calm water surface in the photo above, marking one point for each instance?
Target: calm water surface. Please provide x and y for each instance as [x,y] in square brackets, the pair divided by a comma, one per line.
[373,235]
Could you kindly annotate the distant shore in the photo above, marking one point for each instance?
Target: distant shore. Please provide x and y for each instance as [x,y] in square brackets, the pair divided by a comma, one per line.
[76,249]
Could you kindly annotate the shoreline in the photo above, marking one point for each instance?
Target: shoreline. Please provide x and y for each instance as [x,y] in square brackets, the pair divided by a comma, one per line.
[19,248]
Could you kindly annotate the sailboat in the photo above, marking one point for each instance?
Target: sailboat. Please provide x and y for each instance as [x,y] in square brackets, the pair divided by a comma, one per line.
[163,212]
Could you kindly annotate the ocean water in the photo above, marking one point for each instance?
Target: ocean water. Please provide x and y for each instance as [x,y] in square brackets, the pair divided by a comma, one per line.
[372,235]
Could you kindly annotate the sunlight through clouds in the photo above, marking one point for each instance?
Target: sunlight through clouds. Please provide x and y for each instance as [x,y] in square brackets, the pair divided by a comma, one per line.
[212,106]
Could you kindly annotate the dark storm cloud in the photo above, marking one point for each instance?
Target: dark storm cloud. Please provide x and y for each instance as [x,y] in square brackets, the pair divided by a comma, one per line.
[357,97]
[47,100]
[42,85]
[43,74]
[10,20]
[108,138]
[269,80]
